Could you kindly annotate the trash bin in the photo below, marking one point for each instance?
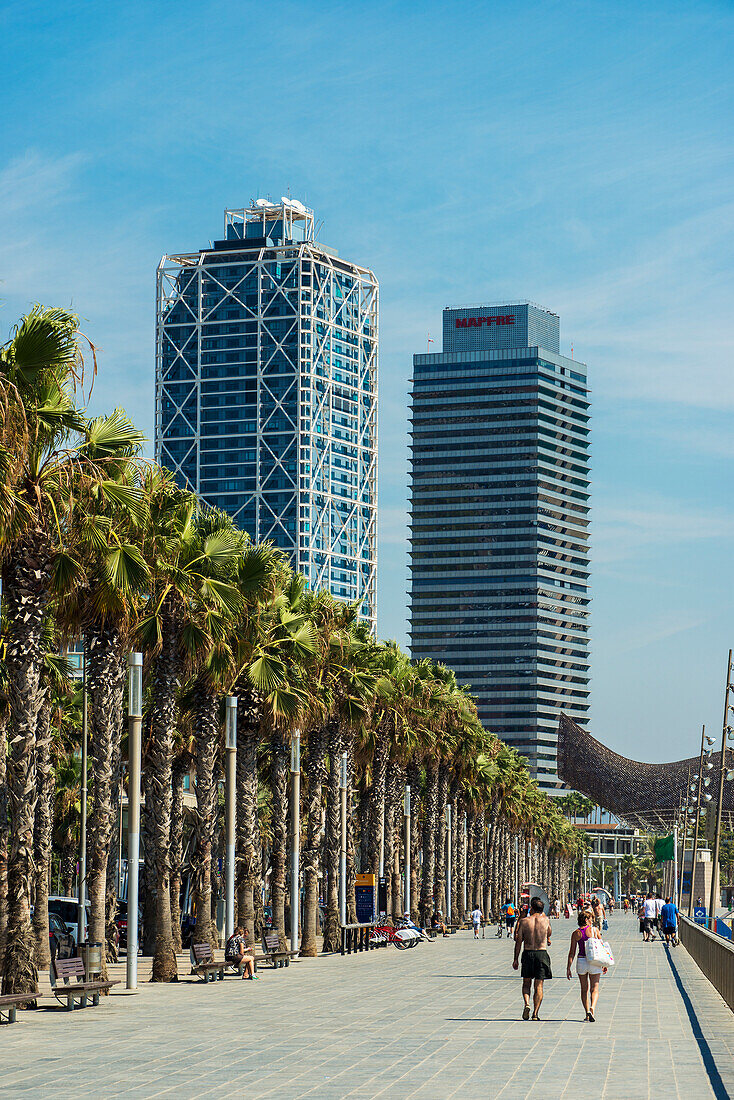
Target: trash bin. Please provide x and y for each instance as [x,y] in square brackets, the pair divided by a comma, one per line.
[91,954]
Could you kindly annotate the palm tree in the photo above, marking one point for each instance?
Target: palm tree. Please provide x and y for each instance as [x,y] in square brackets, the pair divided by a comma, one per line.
[184,594]
[102,606]
[49,477]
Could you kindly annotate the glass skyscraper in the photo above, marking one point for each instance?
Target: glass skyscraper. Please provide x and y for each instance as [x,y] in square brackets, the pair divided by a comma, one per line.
[499,522]
[266,390]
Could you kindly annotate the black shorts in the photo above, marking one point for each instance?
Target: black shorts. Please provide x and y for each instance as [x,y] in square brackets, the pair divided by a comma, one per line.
[510,921]
[536,964]
[669,930]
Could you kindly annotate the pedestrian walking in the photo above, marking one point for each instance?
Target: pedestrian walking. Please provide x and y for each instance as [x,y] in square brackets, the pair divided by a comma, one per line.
[648,920]
[597,912]
[669,923]
[510,916]
[533,936]
[589,980]
[476,919]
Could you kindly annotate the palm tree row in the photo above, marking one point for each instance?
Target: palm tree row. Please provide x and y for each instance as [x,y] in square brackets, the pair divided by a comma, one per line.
[96,543]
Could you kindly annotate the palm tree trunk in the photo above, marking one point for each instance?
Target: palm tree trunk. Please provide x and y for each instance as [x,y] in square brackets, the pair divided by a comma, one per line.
[42,835]
[478,859]
[315,772]
[333,841]
[460,860]
[179,770]
[279,822]
[414,778]
[429,844]
[166,675]
[351,864]
[25,581]
[440,889]
[68,857]
[248,843]
[377,803]
[105,687]
[206,732]
[3,839]
[148,871]
[111,901]
[396,819]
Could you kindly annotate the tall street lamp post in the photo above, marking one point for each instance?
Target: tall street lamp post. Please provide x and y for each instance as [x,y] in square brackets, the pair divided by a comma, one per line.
[135,722]
[406,819]
[230,808]
[725,729]
[684,812]
[295,836]
[448,863]
[464,847]
[698,787]
[82,880]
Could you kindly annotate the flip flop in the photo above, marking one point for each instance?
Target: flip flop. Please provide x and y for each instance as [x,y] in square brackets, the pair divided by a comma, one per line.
[526,1012]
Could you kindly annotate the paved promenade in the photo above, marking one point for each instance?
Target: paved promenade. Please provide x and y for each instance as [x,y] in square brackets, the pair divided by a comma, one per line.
[440,1021]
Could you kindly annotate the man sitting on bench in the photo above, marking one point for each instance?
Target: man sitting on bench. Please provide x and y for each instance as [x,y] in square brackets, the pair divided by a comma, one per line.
[236,953]
[437,923]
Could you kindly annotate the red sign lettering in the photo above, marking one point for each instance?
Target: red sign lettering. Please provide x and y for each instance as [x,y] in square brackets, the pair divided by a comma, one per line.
[477,322]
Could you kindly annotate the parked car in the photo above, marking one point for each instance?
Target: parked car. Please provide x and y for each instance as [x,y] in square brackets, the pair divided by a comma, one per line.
[68,910]
[61,941]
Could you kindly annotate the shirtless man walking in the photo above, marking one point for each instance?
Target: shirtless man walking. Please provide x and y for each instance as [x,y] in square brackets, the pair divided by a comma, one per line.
[533,935]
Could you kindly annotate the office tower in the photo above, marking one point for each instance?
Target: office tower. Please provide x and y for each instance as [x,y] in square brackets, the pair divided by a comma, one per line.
[266,390]
[499,522]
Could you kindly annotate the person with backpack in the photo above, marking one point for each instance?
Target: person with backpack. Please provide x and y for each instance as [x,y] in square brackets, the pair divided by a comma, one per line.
[237,953]
[510,916]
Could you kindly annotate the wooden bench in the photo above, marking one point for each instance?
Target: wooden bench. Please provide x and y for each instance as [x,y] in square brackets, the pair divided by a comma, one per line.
[272,951]
[75,986]
[204,964]
[10,1001]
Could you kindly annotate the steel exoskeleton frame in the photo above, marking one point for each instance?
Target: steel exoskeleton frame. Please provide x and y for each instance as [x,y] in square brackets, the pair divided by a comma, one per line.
[316,323]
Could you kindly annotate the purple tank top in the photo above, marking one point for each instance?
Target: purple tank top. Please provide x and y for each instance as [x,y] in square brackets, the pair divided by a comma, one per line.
[582,942]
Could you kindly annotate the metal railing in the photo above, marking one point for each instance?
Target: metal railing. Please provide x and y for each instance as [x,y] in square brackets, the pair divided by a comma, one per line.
[713,955]
[356,937]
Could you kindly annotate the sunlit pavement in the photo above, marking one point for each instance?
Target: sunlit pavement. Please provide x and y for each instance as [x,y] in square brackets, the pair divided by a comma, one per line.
[442,1020]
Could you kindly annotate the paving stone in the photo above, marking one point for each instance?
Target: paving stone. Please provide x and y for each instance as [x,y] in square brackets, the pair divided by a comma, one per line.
[439,1022]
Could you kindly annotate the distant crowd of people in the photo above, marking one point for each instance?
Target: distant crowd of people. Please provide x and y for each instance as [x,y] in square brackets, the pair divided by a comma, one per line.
[658,917]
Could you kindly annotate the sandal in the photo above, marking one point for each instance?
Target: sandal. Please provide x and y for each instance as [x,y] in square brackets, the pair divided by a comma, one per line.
[526,1012]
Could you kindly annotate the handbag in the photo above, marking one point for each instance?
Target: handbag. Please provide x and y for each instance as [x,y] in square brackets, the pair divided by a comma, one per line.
[605,925]
[598,954]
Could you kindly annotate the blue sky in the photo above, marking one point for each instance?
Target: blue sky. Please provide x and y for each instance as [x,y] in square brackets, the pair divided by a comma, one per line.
[576,154]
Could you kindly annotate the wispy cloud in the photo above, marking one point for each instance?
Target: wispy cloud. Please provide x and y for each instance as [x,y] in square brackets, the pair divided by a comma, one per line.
[36,182]
[625,532]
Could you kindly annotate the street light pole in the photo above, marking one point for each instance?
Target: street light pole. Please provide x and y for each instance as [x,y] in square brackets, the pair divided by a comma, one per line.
[684,810]
[406,816]
[135,722]
[448,862]
[725,728]
[82,881]
[230,809]
[463,864]
[343,855]
[694,853]
[295,836]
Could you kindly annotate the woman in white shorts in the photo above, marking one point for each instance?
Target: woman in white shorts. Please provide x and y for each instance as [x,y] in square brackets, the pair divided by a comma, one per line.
[589,979]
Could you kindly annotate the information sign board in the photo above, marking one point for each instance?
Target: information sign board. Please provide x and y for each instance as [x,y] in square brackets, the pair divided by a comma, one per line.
[364,894]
